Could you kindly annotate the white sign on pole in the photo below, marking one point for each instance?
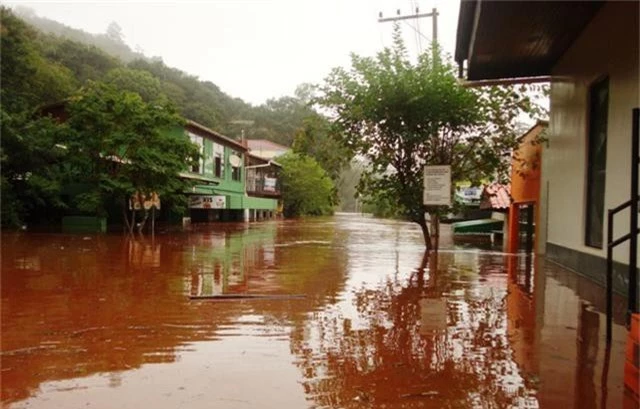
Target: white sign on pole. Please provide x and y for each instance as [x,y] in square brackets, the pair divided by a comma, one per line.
[437,185]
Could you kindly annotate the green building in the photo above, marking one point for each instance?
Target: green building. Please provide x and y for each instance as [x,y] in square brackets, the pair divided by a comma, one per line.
[221,192]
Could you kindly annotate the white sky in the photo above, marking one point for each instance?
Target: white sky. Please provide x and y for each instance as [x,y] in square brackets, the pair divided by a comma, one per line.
[251,49]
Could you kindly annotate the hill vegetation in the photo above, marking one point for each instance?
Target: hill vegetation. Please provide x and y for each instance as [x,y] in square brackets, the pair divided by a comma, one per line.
[74,56]
[45,62]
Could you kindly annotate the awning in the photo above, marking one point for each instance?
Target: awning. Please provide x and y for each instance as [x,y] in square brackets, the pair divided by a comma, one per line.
[518,39]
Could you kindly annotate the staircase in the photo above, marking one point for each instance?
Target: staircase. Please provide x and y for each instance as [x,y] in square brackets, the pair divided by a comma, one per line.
[632,354]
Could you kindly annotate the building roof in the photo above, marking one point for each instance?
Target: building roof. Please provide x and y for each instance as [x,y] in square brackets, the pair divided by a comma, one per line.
[496,196]
[215,134]
[260,160]
[518,39]
[265,145]
[58,109]
[540,123]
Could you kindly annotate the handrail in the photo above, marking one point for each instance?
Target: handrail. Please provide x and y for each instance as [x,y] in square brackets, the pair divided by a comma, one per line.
[619,240]
[620,207]
[632,236]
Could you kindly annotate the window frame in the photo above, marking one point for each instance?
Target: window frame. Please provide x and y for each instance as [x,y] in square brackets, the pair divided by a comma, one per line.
[236,171]
[218,160]
[596,162]
[198,140]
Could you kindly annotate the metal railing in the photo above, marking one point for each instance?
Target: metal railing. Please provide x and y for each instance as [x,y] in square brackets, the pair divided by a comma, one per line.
[256,185]
[632,236]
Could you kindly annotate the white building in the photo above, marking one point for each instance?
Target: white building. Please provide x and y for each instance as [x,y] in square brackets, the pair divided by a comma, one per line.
[588,50]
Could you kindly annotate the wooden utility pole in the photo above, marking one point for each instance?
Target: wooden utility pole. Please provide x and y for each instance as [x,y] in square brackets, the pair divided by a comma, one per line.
[433,14]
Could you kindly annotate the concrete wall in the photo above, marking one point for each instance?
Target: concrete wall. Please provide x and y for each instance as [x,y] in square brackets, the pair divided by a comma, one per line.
[607,47]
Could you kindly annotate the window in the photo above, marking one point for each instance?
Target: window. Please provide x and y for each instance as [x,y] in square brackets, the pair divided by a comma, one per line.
[236,166]
[597,162]
[218,160]
[198,140]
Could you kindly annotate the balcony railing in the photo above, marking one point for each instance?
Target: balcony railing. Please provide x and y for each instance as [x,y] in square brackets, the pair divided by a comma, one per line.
[263,185]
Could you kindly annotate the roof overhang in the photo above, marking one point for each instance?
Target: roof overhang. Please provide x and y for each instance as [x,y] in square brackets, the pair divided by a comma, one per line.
[519,41]
[215,134]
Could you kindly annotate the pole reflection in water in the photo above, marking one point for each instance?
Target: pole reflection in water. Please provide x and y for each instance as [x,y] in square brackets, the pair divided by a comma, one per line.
[106,321]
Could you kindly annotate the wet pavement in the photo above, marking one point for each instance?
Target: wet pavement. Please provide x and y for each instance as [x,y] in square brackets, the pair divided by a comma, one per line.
[105,321]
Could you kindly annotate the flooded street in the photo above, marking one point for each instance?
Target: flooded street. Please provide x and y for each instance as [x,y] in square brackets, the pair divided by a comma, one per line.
[105,321]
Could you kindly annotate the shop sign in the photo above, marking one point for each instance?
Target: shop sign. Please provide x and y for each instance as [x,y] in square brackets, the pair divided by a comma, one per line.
[207,202]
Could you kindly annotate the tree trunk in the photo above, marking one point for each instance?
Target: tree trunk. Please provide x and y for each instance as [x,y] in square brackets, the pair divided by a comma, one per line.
[125,215]
[133,219]
[425,232]
[144,221]
[153,221]
[435,231]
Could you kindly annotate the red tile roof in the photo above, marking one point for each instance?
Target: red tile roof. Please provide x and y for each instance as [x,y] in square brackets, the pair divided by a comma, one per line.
[496,196]
[264,145]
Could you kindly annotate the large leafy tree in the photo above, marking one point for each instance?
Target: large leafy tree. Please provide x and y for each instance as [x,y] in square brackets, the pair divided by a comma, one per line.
[122,146]
[400,116]
[314,139]
[306,187]
[28,181]
[141,82]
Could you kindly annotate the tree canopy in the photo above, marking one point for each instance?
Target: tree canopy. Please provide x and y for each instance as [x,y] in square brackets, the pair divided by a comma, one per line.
[120,146]
[400,116]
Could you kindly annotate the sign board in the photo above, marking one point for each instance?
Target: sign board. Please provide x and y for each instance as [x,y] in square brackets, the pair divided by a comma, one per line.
[207,202]
[433,315]
[270,184]
[140,201]
[469,195]
[437,186]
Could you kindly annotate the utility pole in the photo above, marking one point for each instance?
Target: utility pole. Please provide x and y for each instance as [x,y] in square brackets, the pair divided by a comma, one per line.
[434,14]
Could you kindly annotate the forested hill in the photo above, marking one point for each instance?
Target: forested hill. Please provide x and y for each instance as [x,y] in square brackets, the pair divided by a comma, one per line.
[64,58]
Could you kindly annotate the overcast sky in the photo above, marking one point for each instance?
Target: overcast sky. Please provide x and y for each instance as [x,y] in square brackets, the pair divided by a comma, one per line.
[256,50]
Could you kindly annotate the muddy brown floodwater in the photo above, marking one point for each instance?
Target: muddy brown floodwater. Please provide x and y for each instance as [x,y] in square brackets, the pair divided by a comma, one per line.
[105,321]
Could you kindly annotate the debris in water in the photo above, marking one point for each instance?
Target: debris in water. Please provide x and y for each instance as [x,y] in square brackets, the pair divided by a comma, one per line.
[247,296]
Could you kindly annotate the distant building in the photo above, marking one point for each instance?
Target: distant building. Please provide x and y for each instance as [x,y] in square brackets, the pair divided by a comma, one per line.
[266,149]
[222,174]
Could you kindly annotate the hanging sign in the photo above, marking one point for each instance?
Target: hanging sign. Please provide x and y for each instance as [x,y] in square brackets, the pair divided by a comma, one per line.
[270,184]
[437,185]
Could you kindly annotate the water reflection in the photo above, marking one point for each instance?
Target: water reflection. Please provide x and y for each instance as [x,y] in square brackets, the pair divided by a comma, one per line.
[408,354]
[73,306]
[107,321]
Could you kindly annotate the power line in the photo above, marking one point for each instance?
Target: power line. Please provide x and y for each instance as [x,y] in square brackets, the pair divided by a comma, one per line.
[417,30]
[434,15]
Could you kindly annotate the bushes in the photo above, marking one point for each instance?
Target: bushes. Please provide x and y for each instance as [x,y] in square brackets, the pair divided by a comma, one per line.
[306,187]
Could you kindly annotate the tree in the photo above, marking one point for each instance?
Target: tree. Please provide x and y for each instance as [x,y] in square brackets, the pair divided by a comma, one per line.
[141,82]
[32,168]
[401,116]
[124,147]
[314,139]
[306,187]
[28,153]
[114,32]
